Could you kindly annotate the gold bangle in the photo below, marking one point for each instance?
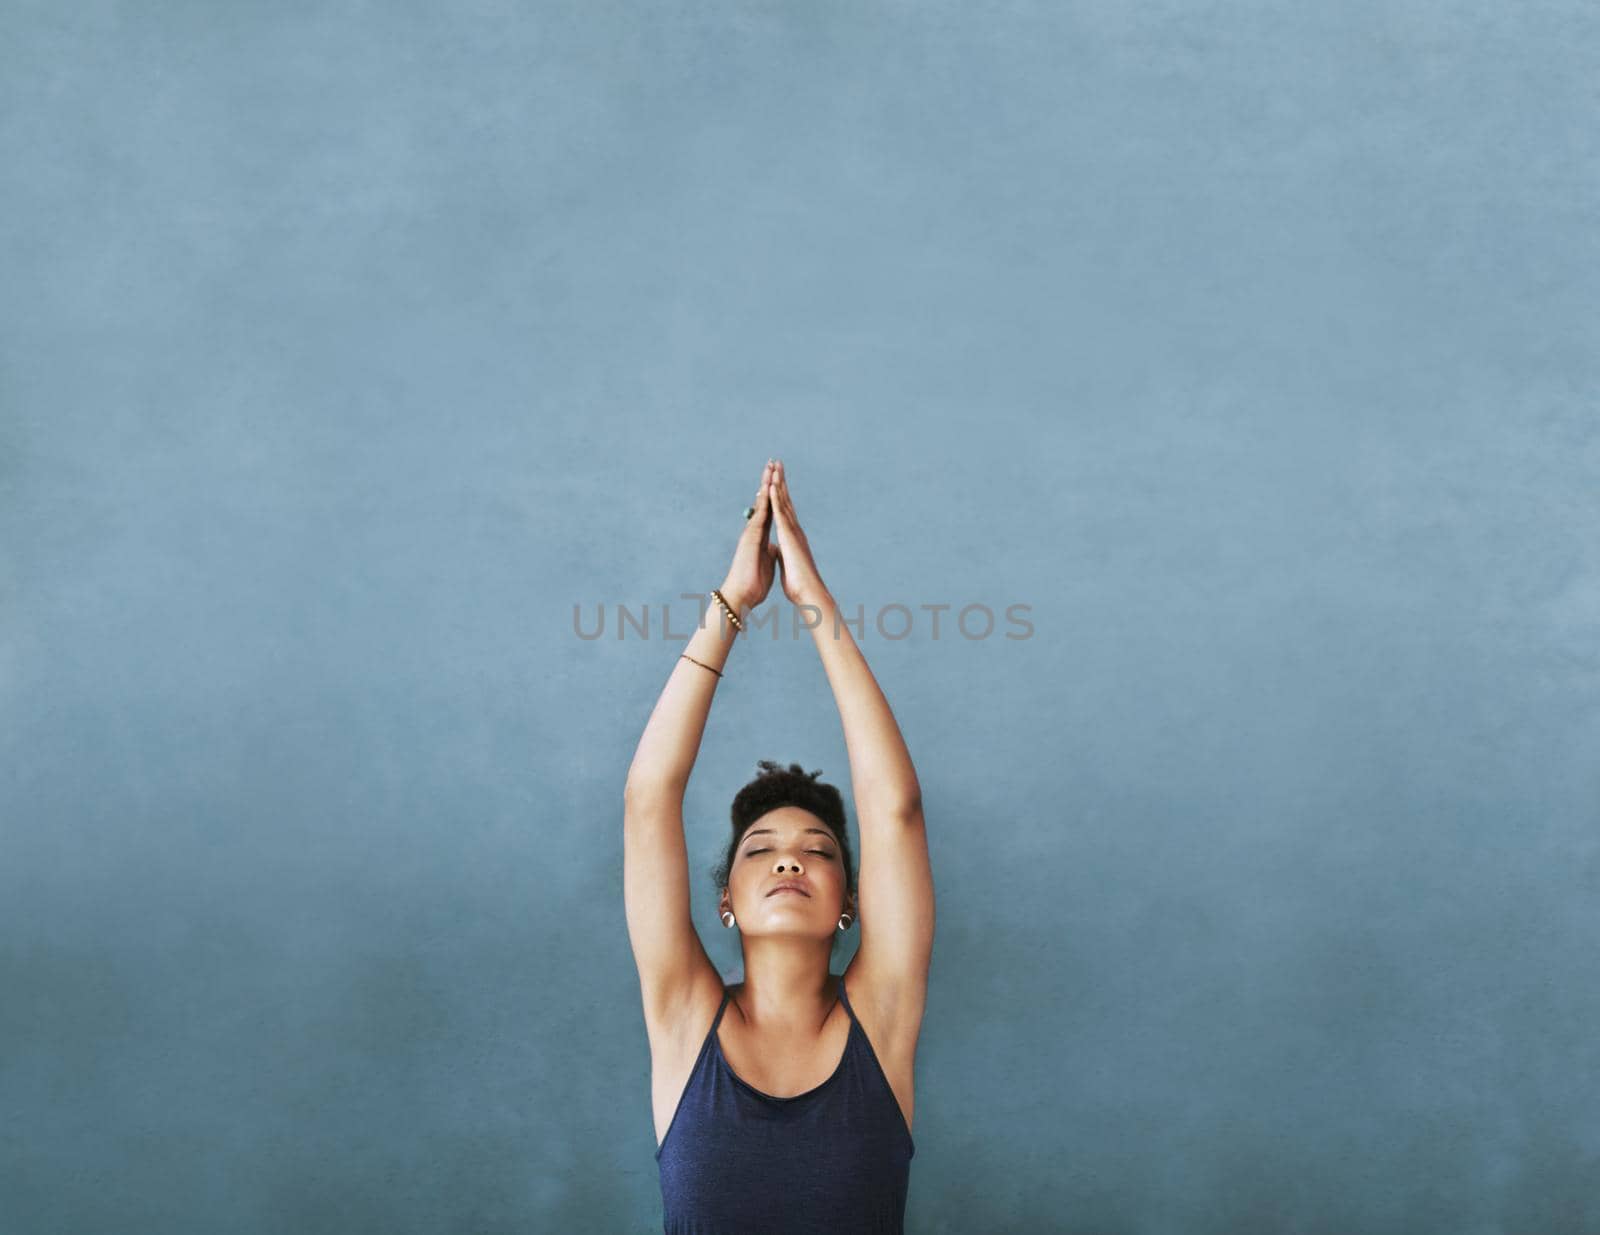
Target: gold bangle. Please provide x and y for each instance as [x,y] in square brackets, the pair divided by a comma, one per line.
[701,663]
[728,609]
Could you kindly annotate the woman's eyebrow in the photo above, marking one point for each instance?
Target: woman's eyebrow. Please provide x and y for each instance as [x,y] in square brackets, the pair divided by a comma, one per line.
[772,831]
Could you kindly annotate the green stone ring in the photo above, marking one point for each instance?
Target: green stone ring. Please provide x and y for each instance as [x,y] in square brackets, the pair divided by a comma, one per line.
[749,512]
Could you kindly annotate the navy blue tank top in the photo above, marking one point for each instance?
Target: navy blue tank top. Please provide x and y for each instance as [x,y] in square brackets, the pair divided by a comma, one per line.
[835,1159]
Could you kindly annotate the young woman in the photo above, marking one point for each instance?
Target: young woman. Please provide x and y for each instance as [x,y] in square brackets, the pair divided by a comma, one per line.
[783,1103]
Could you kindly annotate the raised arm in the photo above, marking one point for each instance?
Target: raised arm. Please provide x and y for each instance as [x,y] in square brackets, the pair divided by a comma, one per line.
[655,862]
[896,881]
[666,752]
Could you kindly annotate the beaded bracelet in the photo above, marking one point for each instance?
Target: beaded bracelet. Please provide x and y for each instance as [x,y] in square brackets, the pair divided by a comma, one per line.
[728,609]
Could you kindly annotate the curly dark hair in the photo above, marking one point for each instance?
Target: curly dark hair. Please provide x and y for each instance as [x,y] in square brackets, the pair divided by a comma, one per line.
[776,786]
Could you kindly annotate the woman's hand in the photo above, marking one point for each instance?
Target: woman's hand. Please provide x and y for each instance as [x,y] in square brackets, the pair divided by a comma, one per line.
[750,577]
[801,582]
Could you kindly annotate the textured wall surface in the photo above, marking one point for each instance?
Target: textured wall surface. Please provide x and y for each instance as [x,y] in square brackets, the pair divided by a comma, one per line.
[350,351]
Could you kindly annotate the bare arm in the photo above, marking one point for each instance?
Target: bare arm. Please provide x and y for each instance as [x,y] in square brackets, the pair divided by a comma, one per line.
[671,741]
[896,880]
[670,744]
[881,773]
[667,950]
[655,865]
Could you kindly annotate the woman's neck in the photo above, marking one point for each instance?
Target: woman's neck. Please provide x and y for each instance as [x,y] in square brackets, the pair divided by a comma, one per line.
[785,989]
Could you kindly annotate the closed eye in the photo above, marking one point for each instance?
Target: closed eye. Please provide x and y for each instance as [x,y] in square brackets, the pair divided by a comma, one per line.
[750,853]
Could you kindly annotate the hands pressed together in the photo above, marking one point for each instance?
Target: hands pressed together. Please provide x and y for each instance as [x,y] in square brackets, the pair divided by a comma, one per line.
[755,558]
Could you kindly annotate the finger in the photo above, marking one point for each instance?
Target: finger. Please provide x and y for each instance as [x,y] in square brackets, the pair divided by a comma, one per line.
[761,512]
[784,507]
[777,505]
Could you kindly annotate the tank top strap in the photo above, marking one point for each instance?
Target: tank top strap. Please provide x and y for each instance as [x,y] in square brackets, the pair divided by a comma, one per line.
[721,1008]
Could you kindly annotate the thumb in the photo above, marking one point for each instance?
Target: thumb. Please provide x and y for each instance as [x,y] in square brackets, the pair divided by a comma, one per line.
[760,521]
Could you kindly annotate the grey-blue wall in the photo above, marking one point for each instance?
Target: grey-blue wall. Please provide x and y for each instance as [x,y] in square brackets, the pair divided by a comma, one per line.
[1253,347]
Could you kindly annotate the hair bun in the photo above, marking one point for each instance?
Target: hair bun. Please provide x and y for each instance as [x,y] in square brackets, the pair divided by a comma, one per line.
[771,766]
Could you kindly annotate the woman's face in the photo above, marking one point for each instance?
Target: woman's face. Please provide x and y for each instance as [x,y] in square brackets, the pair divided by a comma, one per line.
[788,844]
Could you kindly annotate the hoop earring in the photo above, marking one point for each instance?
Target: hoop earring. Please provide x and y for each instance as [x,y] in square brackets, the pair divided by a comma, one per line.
[844,921]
